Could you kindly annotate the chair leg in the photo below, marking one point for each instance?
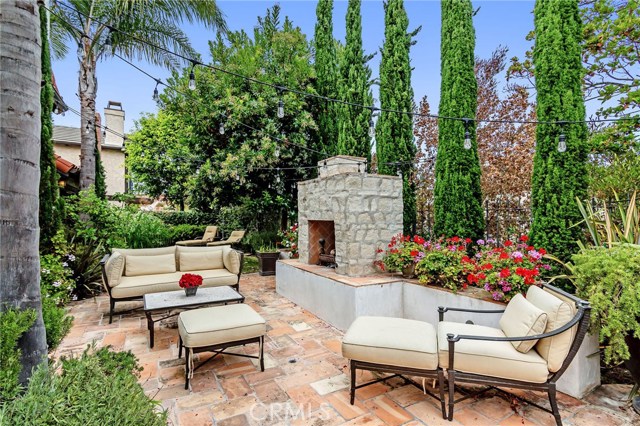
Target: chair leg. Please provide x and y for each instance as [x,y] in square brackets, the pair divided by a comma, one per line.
[352,392]
[112,305]
[441,388]
[186,368]
[554,403]
[179,347]
[452,387]
[261,353]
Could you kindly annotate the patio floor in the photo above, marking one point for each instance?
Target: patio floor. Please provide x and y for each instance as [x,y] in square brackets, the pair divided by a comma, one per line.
[304,381]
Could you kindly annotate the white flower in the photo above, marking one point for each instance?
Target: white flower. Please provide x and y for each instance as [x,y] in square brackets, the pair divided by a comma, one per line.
[75,297]
[46,271]
[56,284]
[65,264]
[71,257]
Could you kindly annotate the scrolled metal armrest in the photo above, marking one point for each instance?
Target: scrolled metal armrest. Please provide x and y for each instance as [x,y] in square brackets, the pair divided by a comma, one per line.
[443,309]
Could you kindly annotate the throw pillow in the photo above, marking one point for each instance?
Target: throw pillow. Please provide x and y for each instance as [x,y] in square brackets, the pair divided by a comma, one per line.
[522,319]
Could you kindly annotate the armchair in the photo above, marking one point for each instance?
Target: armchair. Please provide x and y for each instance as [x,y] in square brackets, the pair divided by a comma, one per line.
[533,360]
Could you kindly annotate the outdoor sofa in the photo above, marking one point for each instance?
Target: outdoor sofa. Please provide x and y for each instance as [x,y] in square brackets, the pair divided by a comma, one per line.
[129,274]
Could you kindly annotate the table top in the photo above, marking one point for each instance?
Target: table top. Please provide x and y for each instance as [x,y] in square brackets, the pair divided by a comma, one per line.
[178,299]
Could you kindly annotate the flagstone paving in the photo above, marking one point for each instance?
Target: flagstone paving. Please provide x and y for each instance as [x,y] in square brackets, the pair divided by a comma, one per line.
[304,382]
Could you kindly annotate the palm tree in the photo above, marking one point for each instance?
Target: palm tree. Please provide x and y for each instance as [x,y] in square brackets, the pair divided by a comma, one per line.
[20,77]
[133,29]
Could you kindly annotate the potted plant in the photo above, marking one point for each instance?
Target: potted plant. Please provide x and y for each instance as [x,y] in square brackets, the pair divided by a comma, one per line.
[267,257]
[402,254]
[289,241]
[190,283]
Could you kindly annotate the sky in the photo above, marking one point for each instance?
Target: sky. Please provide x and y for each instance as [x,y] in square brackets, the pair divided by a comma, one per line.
[497,23]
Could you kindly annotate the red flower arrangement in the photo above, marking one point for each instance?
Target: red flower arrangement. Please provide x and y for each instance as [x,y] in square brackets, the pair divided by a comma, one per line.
[190,280]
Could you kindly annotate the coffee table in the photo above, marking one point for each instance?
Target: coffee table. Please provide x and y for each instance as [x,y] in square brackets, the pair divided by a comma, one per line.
[167,300]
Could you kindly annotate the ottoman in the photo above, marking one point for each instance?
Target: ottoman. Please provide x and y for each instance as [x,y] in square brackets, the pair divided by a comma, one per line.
[217,328]
[393,345]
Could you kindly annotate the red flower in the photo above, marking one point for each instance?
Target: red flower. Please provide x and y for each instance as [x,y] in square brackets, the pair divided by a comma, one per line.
[379,251]
[504,255]
[524,238]
[487,266]
[414,253]
[460,248]
[508,243]
[467,240]
[472,279]
[190,280]
[418,239]
[529,248]
[505,273]
[481,276]
[466,259]
[542,251]
[455,239]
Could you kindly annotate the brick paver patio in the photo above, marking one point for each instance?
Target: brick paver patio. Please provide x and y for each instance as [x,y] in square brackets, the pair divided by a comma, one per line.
[304,381]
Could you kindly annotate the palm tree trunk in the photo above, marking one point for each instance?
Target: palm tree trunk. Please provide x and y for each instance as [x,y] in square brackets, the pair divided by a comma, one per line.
[20,77]
[87,89]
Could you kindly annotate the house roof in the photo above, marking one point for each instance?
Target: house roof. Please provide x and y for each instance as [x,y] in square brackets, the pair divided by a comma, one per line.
[65,167]
[71,136]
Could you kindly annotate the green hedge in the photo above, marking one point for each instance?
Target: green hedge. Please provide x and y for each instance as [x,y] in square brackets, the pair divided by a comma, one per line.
[13,324]
[185,232]
[188,218]
[98,388]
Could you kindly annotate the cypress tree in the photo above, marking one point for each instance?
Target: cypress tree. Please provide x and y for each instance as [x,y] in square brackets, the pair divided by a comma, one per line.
[327,76]
[100,184]
[50,209]
[355,87]
[558,177]
[457,193]
[394,132]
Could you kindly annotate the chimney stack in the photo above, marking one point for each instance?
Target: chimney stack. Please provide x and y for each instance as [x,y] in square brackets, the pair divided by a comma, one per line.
[114,120]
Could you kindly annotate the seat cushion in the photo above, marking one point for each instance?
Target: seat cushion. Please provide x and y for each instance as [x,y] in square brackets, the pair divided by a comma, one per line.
[494,359]
[211,259]
[559,312]
[150,265]
[145,284]
[220,324]
[392,341]
[521,319]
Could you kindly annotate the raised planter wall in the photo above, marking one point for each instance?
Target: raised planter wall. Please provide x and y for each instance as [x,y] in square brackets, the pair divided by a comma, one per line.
[340,303]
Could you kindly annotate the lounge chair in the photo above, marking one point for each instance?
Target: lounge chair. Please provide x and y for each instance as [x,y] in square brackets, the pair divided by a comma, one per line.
[209,235]
[235,237]
[538,338]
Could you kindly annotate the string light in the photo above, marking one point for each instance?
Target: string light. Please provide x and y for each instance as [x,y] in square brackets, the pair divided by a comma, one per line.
[562,145]
[278,175]
[192,77]
[156,96]
[276,152]
[108,41]
[467,134]
[86,129]
[221,128]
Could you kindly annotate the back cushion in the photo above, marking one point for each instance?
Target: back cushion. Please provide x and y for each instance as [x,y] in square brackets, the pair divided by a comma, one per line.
[201,260]
[150,265]
[180,250]
[144,252]
[210,233]
[522,318]
[559,312]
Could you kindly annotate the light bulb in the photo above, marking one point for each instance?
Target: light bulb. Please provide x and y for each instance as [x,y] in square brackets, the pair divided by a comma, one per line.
[86,129]
[562,145]
[399,173]
[280,109]
[277,179]
[221,129]
[155,96]
[277,152]
[372,128]
[467,140]
[107,42]
[192,80]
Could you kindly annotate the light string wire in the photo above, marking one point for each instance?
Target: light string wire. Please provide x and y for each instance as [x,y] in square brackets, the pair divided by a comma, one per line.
[281,88]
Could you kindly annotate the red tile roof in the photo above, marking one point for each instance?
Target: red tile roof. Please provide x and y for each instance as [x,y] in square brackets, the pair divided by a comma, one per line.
[65,167]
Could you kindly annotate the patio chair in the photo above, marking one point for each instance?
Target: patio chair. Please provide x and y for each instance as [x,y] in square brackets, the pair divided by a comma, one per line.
[538,339]
[209,235]
[234,238]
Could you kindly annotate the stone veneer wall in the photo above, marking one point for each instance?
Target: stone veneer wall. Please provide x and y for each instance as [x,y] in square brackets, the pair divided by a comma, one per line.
[366,210]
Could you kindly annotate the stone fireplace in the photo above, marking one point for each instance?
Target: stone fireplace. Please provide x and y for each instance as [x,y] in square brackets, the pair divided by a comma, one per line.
[355,213]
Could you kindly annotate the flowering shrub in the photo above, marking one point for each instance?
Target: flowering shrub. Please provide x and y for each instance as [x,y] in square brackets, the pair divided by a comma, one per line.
[289,240]
[190,280]
[440,262]
[402,251]
[505,270]
[56,280]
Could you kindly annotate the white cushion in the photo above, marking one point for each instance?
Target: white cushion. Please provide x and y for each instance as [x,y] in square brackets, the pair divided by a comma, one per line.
[493,359]
[144,252]
[522,319]
[114,268]
[231,259]
[201,260]
[150,265]
[193,249]
[145,284]
[220,324]
[559,312]
[392,341]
